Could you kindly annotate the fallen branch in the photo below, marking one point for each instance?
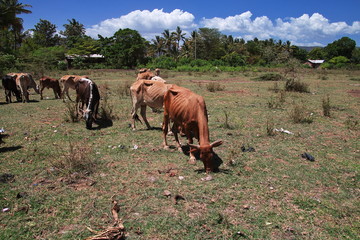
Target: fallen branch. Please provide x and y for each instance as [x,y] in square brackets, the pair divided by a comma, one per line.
[116,232]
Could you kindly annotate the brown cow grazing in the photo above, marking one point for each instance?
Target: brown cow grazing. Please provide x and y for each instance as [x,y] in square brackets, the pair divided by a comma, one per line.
[9,84]
[146,93]
[188,111]
[88,93]
[146,74]
[24,81]
[69,81]
[48,82]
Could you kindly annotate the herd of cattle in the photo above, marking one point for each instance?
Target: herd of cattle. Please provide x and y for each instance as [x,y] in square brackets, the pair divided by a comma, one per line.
[185,109]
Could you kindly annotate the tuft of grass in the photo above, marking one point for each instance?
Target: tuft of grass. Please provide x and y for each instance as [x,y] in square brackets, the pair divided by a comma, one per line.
[352,123]
[270,127]
[293,85]
[299,114]
[214,86]
[106,108]
[326,106]
[226,124]
[77,160]
[70,112]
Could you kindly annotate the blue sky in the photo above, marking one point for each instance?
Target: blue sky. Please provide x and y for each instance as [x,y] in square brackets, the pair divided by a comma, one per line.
[305,23]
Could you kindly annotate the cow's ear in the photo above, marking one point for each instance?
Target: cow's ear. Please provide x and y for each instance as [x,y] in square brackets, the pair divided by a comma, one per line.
[216,143]
[197,147]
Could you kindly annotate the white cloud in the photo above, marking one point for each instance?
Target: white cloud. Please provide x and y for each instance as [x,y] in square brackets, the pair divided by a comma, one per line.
[148,23]
[304,29]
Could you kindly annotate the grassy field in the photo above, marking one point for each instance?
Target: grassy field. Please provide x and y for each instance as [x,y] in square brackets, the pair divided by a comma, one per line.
[59,179]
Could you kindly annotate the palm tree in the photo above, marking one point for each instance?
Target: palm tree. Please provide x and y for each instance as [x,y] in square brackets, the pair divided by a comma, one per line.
[158,44]
[9,9]
[178,36]
[168,37]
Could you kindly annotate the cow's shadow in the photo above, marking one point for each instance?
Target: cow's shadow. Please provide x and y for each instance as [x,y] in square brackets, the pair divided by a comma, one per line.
[217,160]
[9,149]
[102,123]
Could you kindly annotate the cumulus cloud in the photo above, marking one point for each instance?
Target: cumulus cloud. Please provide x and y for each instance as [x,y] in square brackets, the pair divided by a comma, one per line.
[148,23]
[304,29]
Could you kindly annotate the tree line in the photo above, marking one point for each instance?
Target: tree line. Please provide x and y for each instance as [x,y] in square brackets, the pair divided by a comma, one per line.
[43,47]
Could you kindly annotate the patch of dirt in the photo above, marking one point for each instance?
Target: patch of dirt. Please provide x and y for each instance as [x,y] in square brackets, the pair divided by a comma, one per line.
[354,93]
[236,92]
[227,80]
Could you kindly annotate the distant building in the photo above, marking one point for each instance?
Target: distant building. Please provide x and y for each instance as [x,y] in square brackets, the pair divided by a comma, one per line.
[92,58]
[314,63]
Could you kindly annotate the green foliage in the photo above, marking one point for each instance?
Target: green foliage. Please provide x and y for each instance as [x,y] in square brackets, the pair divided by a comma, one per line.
[342,47]
[6,62]
[48,57]
[316,54]
[293,85]
[234,59]
[45,34]
[126,49]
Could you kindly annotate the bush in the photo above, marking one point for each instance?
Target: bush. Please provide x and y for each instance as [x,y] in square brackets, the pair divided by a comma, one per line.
[270,77]
[214,86]
[293,85]
[62,65]
[326,106]
[299,114]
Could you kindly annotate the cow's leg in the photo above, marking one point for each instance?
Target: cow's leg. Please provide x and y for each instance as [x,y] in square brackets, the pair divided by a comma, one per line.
[41,90]
[192,159]
[55,93]
[143,115]
[134,116]
[8,96]
[165,127]
[175,132]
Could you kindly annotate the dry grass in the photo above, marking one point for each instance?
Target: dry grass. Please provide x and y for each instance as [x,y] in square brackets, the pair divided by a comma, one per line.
[66,177]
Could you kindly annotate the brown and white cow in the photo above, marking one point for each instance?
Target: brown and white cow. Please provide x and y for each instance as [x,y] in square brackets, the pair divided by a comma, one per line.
[48,82]
[69,81]
[146,93]
[24,81]
[88,94]
[146,74]
[188,111]
[9,85]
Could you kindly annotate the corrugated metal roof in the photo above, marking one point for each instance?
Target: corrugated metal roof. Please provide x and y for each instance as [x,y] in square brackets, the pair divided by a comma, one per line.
[316,61]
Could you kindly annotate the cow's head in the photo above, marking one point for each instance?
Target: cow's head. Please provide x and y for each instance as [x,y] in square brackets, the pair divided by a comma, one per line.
[207,155]
[87,115]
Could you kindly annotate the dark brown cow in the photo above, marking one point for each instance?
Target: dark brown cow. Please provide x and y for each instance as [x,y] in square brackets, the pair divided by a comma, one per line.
[188,111]
[146,93]
[88,93]
[48,82]
[9,84]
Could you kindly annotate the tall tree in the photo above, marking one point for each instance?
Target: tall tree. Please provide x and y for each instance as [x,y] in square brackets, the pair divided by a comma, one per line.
[9,22]
[178,36]
[342,47]
[125,49]
[74,31]
[45,34]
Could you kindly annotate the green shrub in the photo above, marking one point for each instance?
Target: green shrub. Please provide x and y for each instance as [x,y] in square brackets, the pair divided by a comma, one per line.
[326,106]
[62,65]
[293,85]
[214,86]
[299,114]
[270,77]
